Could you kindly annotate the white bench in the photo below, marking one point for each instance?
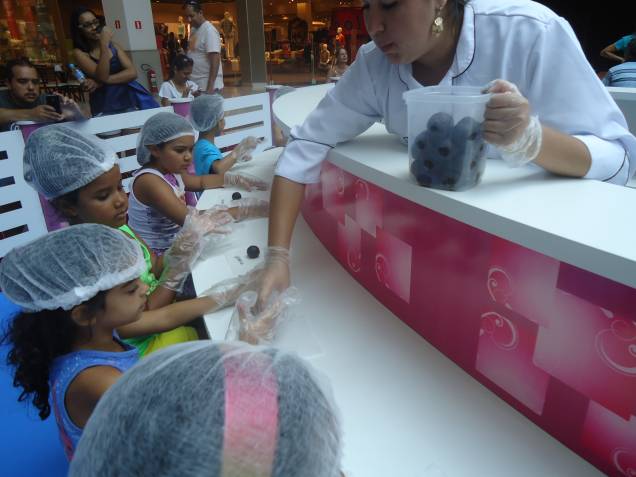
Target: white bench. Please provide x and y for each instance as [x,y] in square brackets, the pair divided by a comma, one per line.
[21,217]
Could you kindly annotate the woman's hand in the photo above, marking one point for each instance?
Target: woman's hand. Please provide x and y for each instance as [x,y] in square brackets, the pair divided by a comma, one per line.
[276,274]
[507,114]
[91,85]
[508,124]
[106,36]
[186,92]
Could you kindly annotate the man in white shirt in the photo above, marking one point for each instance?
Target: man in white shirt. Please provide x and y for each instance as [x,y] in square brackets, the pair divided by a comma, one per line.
[204,49]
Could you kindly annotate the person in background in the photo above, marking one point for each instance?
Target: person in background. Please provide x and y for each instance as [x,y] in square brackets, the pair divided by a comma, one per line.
[616,51]
[624,75]
[324,58]
[204,49]
[224,409]
[172,46]
[22,100]
[107,66]
[340,65]
[179,85]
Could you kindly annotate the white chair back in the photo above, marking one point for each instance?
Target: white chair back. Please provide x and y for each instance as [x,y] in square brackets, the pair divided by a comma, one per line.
[21,217]
[114,124]
[246,116]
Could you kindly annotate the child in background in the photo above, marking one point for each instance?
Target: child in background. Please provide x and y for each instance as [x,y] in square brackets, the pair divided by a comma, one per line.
[80,291]
[179,85]
[157,196]
[83,182]
[206,115]
[263,412]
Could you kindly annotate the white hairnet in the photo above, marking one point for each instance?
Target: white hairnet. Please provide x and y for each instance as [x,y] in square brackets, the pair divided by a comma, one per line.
[204,408]
[69,266]
[59,160]
[159,129]
[206,111]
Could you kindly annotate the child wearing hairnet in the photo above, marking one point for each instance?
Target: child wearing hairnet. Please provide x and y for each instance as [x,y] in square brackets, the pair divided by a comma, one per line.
[206,116]
[251,411]
[80,293]
[157,195]
[83,182]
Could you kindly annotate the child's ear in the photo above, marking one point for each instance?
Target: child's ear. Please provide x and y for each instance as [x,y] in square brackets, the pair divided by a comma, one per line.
[67,209]
[154,149]
[80,316]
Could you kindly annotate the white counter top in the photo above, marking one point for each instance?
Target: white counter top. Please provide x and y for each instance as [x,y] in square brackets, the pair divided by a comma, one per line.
[403,405]
[588,224]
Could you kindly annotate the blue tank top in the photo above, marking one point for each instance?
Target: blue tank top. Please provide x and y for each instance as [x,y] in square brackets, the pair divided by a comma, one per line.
[112,98]
[63,371]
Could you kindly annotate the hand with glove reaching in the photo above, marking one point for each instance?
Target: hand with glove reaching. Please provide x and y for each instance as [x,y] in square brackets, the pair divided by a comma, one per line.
[509,125]
[243,150]
[275,275]
[256,325]
[198,227]
[243,181]
[249,208]
[225,293]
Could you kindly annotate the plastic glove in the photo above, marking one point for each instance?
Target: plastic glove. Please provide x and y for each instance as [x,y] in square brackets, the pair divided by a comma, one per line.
[276,274]
[243,181]
[188,243]
[259,327]
[225,293]
[509,126]
[250,208]
[243,151]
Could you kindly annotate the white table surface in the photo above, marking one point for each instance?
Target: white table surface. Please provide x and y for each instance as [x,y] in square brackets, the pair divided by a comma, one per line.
[589,224]
[403,405]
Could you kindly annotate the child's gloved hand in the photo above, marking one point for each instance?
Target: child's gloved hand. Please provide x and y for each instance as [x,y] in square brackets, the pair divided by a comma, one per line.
[225,293]
[243,150]
[243,181]
[250,208]
[259,326]
[188,243]
[509,125]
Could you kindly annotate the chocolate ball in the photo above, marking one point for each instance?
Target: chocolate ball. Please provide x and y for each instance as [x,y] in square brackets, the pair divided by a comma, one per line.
[253,251]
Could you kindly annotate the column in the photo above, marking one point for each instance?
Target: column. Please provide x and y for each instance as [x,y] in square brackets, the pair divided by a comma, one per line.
[252,42]
[133,26]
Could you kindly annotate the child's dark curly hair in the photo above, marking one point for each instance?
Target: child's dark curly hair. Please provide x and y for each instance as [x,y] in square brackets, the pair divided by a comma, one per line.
[36,340]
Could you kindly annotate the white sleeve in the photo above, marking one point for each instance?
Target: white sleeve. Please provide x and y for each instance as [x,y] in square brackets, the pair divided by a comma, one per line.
[165,91]
[346,111]
[212,40]
[566,94]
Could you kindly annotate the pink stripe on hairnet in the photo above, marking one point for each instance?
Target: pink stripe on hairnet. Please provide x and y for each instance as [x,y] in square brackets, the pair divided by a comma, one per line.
[251,417]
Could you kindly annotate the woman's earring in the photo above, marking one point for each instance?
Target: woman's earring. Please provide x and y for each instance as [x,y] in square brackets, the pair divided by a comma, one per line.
[438,23]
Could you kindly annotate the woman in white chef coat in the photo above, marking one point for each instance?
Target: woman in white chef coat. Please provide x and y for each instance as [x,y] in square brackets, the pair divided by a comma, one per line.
[551,109]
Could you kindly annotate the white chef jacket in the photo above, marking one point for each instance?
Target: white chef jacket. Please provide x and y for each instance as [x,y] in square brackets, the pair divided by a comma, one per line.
[517,40]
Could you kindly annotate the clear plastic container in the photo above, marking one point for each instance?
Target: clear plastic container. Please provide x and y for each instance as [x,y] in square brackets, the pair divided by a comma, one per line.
[446,145]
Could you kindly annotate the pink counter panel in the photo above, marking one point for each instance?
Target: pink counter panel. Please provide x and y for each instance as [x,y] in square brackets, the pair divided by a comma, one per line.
[555,342]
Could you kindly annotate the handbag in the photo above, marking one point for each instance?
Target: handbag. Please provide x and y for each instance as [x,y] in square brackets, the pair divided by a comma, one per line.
[141,96]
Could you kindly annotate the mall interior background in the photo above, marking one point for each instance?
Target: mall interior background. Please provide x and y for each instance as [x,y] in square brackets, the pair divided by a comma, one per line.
[293,29]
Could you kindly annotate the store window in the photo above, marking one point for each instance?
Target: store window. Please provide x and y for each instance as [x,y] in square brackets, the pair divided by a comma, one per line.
[27,28]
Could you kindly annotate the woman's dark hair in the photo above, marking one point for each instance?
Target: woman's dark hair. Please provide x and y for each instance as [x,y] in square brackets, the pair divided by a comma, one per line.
[195,4]
[630,51]
[79,41]
[180,62]
[70,198]
[455,10]
[36,340]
